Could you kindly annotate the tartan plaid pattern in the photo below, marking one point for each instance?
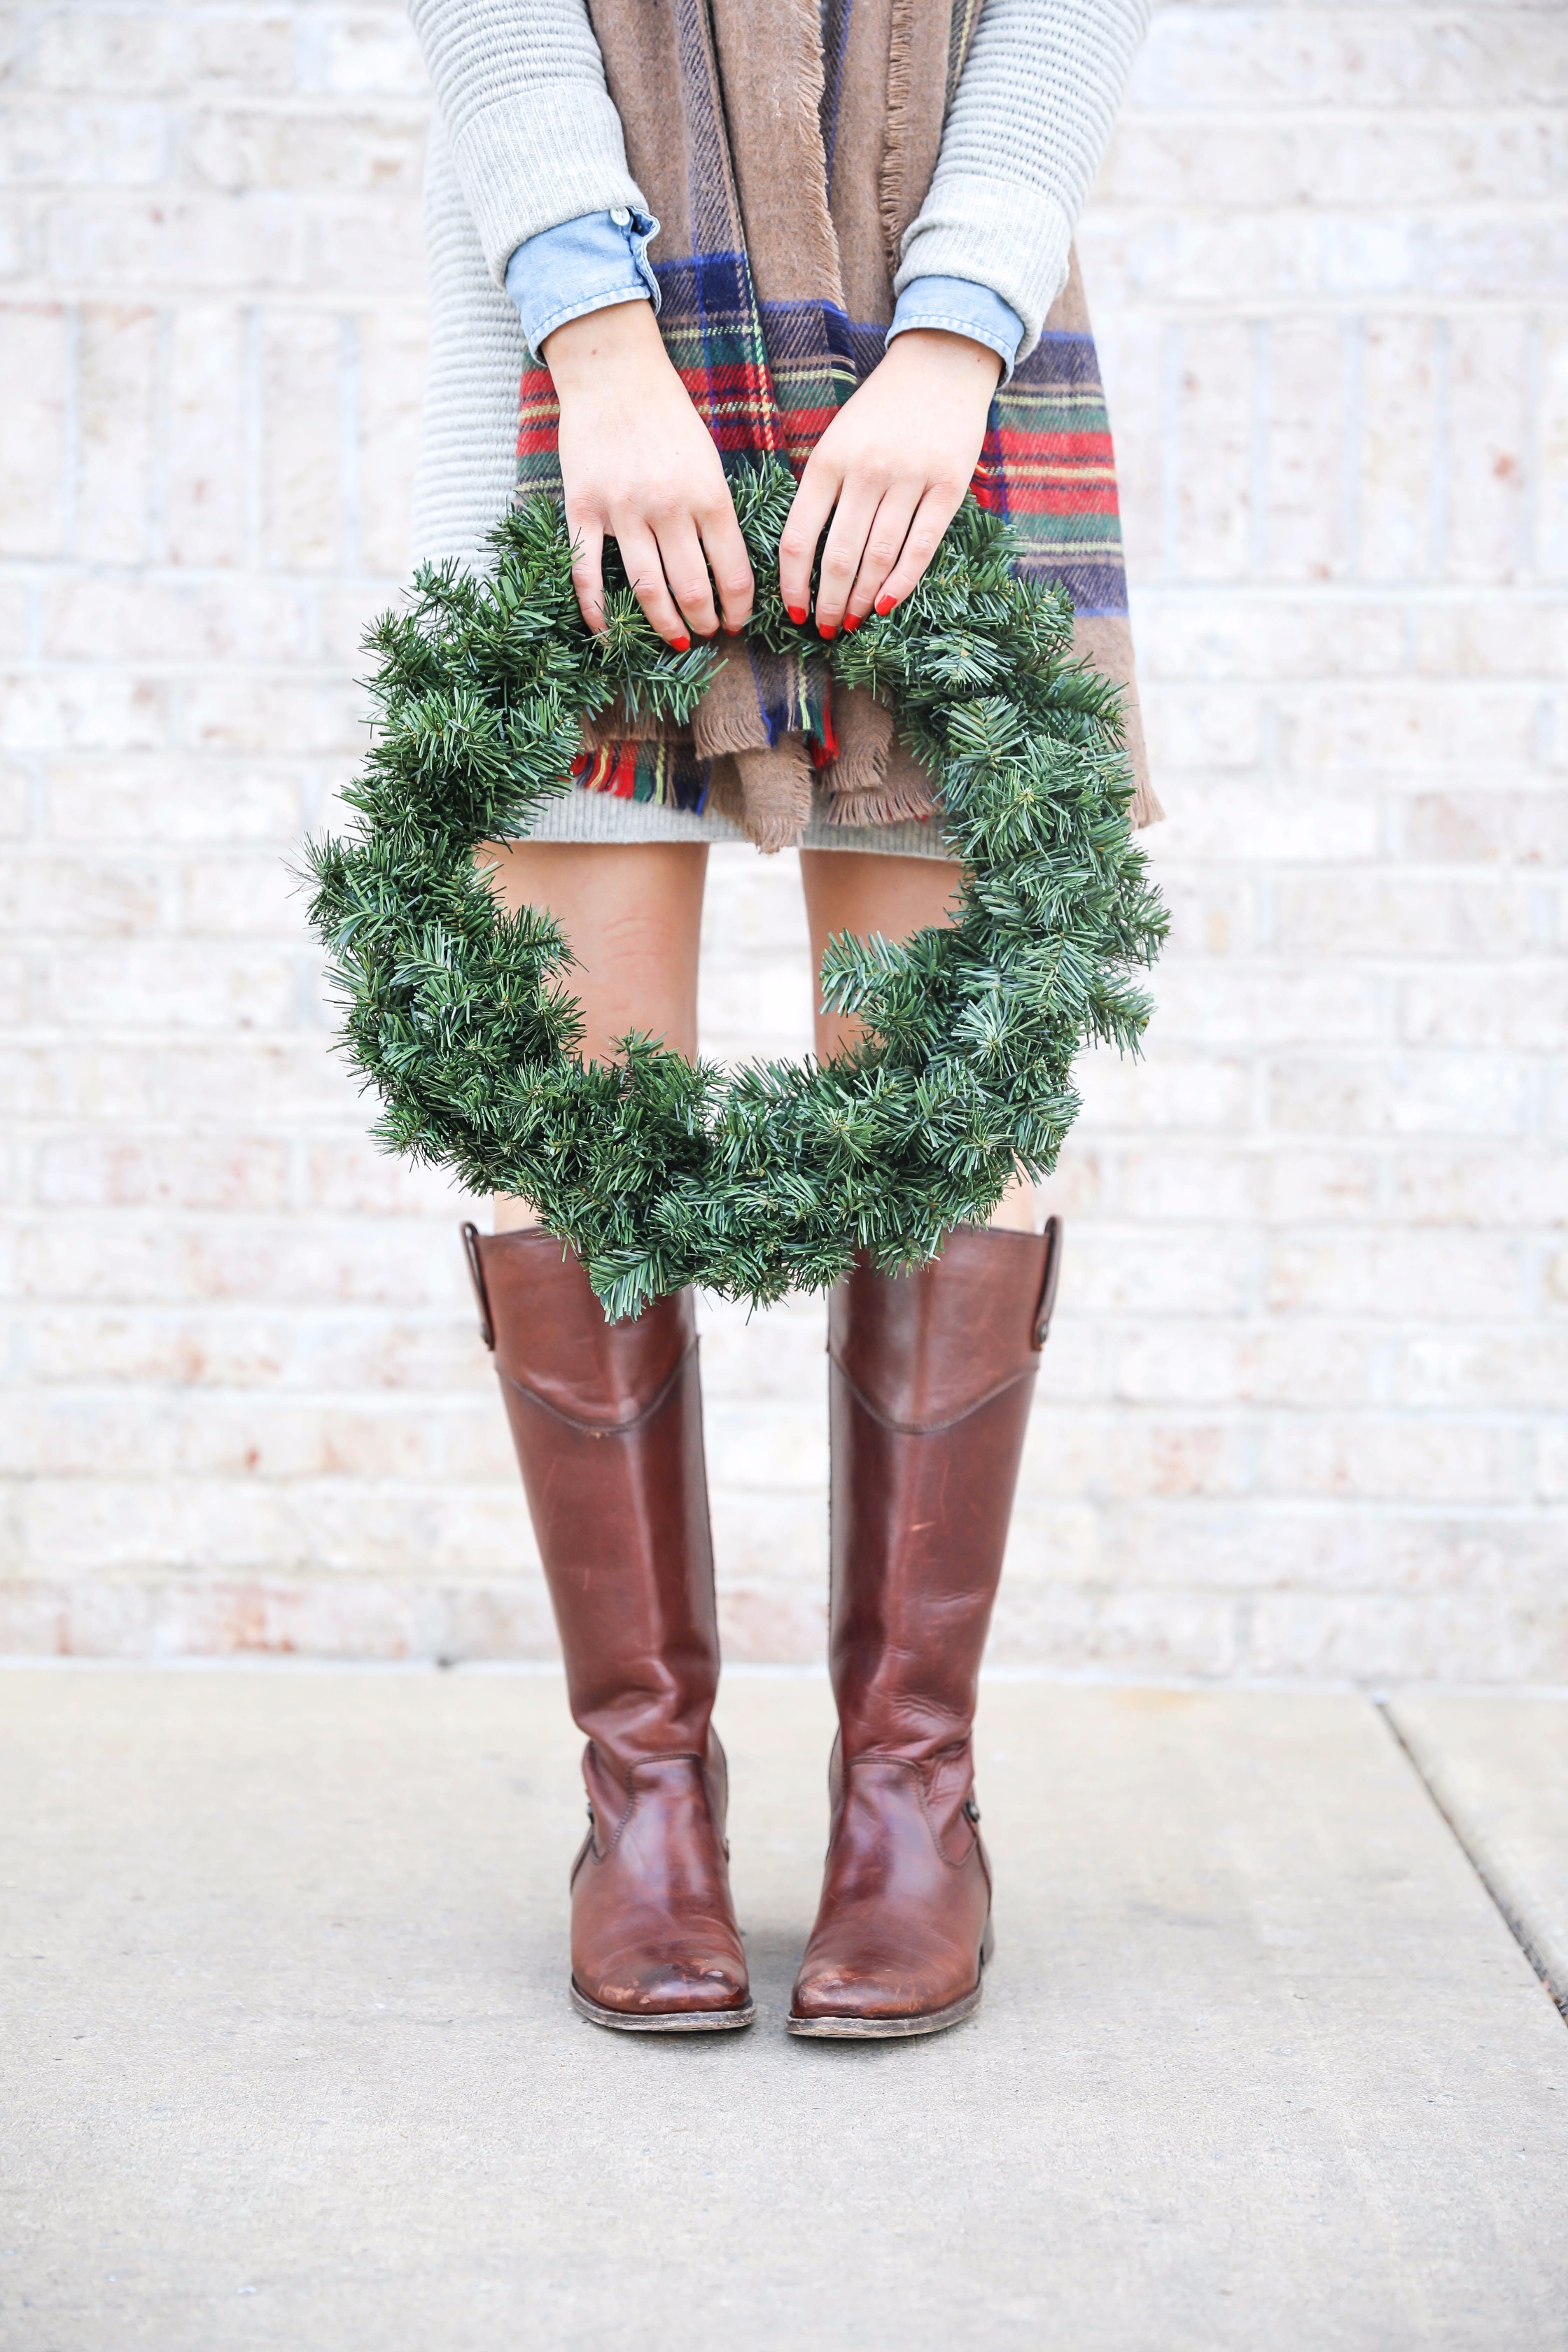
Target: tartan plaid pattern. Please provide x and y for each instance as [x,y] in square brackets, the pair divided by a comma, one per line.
[1048,466]
[669,774]
[767,378]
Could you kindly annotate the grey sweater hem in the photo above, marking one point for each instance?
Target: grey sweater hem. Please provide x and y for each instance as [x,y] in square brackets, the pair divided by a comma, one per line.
[578,815]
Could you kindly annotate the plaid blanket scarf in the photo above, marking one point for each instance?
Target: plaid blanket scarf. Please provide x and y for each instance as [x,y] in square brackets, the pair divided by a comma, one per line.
[785,154]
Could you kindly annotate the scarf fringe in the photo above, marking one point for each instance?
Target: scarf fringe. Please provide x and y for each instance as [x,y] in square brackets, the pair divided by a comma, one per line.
[891,807]
[776,792]
[874,779]
[1146,808]
[894,193]
[729,717]
[865,739]
[657,775]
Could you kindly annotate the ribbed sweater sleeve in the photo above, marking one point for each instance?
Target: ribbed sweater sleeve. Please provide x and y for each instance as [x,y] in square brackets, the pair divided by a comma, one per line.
[535,135]
[536,141]
[1023,140]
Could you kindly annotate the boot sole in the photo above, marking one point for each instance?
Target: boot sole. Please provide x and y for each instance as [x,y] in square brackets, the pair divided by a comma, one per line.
[896,2029]
[662,2020]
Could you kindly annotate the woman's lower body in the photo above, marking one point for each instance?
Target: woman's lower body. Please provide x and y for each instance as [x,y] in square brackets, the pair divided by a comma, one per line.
[931,1376]
[930,1373]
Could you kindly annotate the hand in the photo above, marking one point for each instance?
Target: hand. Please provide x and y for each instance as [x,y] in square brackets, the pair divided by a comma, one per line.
[640,467]
[895,463]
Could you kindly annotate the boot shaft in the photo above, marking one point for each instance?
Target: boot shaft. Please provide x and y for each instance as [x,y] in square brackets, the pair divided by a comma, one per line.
[931,1379]
[606,1421]
[549,1335]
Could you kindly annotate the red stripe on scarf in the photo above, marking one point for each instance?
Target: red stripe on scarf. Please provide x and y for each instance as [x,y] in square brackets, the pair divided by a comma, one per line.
[613,770]
[1019,445]
[1057,497]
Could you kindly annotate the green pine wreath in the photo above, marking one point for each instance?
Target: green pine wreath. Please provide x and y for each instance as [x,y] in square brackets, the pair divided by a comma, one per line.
[770,1177]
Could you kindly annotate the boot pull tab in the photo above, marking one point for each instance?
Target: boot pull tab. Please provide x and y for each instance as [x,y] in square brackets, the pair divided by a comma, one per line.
[1047,1298]
[476,1276]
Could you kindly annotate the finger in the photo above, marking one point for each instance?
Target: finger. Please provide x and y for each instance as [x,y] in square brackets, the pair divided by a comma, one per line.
[639,553]
[587,568]
[841,556]
[933,514]
[804,525]
[884,544]
[728,563]
[686,571]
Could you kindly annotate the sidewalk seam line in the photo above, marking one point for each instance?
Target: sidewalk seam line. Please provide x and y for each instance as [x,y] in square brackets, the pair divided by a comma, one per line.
[1557,1996]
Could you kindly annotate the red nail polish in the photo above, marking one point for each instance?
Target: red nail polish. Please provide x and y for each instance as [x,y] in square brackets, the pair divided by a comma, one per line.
[828,628]
[851,622]
[796,612]
[884,605]
[681,645]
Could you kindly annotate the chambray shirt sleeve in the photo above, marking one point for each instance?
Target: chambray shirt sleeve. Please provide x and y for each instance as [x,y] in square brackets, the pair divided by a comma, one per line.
[600,258]
[962,308]
[583,265]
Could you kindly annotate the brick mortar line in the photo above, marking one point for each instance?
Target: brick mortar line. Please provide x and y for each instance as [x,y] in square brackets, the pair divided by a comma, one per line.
[1303,588]
[432,1316]
[1454,684]
[1107,214]
[30,291]
[1110,213]
[385,1405]
[1449,686]
[45,290]
[1103,1407]
[1116,1228]
[1501,115]
[1549,589]
[1251,1052]
[1296,1509]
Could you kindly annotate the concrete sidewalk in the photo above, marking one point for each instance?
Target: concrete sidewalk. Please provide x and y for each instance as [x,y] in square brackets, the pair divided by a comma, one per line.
[289,2063]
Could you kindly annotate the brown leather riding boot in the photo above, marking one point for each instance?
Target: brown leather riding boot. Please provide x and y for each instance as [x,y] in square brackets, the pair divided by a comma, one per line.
[931,1377]
[607,1423]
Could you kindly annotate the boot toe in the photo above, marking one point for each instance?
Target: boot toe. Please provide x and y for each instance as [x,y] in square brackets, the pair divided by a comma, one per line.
[831,1990]
[670,1988]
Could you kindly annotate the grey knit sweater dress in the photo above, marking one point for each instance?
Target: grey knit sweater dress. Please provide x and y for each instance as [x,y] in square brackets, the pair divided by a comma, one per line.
[526,137]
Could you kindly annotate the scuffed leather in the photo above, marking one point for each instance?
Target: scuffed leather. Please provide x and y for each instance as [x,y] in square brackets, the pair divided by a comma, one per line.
[652,1924]
[931,1379]
[606,1419]
[899,1923]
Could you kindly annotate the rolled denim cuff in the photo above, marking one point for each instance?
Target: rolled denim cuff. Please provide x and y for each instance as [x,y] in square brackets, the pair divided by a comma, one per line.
[959,307]
[580,266]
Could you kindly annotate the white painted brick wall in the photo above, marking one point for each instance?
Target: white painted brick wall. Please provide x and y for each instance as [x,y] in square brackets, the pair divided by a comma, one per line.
[1304,1410]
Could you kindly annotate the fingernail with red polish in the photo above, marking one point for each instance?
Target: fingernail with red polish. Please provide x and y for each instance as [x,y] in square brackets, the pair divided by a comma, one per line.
[796,612]
[851,622]
[681,645]
[884,605]
[828,628]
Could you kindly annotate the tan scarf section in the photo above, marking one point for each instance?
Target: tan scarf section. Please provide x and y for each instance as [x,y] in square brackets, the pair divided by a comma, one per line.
[888,121]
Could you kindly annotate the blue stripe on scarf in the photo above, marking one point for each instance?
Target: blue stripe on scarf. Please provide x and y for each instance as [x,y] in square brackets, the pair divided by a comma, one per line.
[835,43]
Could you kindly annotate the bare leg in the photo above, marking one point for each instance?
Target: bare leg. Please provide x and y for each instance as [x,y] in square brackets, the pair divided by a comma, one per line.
[858,891]
[632,912]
